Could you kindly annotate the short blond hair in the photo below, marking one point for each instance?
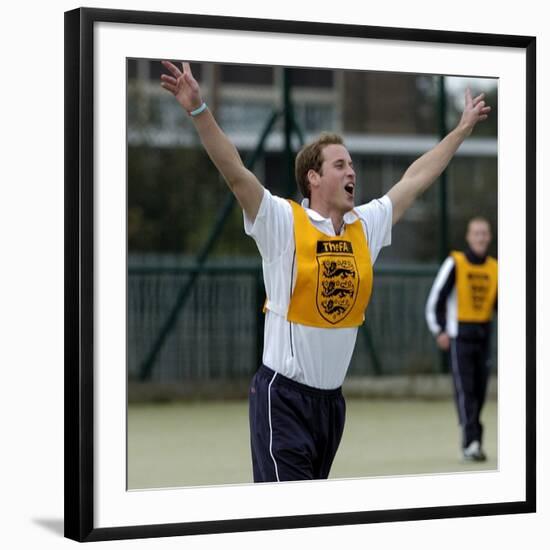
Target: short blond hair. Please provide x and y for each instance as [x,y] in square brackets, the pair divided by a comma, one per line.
[310,157]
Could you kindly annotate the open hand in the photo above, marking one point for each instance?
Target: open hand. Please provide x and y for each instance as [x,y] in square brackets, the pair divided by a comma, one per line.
[475,110]
[183,85]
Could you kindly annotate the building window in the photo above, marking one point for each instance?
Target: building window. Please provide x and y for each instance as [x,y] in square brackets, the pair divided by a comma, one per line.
[315,117]
[244,116]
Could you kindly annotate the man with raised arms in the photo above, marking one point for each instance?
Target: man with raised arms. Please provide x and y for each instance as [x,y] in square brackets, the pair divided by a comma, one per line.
[317,266]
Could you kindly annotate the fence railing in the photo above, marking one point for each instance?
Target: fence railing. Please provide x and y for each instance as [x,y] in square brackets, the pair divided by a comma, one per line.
[219,332]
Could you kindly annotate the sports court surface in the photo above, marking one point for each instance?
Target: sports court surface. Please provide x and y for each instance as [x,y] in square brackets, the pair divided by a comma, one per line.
[207,443]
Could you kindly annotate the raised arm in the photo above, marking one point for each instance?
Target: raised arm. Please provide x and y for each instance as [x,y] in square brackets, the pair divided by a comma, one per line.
[425,170]
[242,182]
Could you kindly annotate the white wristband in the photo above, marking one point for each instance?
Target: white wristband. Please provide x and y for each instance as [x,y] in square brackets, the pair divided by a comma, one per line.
[199,110]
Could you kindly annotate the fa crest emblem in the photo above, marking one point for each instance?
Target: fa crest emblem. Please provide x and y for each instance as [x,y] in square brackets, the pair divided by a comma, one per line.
[479,290]
[337,280]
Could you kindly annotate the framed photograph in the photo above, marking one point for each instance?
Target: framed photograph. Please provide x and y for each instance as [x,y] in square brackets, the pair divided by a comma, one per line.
[273,85]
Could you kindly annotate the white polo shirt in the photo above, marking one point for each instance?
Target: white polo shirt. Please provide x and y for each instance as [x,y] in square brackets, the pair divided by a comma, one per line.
[317,357]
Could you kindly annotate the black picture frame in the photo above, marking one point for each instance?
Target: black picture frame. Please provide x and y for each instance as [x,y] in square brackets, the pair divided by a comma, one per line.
[79,272]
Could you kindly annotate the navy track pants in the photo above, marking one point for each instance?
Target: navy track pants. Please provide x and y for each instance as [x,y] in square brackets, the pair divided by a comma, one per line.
[295,430]
[470,368]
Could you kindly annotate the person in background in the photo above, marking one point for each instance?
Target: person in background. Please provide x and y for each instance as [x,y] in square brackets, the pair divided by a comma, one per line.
[459,311]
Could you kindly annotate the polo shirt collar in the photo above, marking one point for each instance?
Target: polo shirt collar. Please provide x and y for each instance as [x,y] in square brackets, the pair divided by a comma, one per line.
[349,217]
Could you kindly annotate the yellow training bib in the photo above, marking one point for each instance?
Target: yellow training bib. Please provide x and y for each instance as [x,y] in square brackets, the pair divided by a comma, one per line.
[476,288]
[334,275]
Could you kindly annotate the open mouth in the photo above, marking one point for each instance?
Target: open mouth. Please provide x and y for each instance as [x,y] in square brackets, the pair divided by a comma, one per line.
[349,187]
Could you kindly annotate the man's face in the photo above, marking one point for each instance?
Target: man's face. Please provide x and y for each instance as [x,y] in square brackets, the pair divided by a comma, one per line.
[478,237]
[335,184]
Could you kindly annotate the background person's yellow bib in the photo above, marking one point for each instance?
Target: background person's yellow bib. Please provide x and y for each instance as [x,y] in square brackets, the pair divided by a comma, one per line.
[334,275]
[476,288]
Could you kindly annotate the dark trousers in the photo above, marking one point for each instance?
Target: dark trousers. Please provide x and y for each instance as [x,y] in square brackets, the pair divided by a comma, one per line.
[470,368]
[295,430]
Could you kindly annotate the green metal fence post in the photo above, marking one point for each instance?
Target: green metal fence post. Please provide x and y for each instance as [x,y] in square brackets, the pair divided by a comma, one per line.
[288,127]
